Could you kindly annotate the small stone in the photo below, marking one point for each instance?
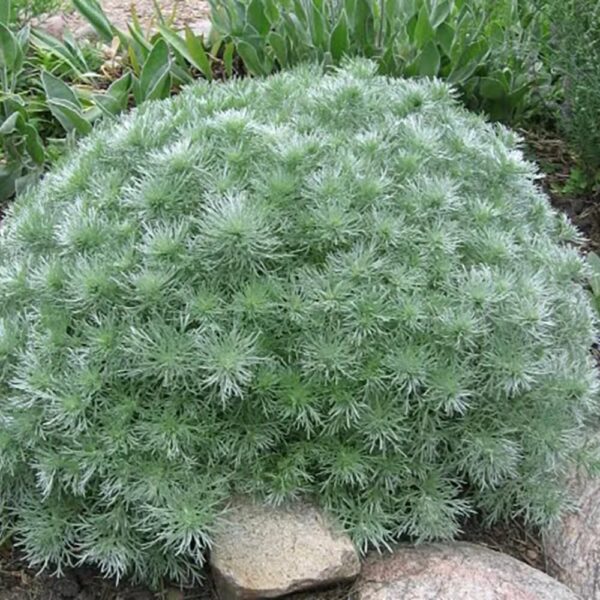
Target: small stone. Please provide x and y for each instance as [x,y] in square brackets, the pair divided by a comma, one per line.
[203,28]
[86,33]
[531,554]
[54,25]
[454,571]
[173,594]
[265,552]
[573,546]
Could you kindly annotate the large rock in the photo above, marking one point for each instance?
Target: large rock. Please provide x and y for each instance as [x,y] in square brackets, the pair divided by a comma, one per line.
[454,571]
[264,552]
[573,547]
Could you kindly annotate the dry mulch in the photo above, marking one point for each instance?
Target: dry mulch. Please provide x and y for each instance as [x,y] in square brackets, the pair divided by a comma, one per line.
[184,11]
[194,13]
[557,164]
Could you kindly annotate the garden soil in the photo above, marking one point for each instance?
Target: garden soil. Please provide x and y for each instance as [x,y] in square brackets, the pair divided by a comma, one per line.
[193,13]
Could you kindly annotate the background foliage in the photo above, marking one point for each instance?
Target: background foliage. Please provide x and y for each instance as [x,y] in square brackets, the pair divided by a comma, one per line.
[524,63]
[344,287]
[486,48]
[23,10]
[575,54]
[55,90]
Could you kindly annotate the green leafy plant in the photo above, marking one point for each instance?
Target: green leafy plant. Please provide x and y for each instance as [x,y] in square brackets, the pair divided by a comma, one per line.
[22,150]
[157,60]
[20,11]
[483,47]
[31,96]
[574,51]
[577,183]
[345,288]
[54,90]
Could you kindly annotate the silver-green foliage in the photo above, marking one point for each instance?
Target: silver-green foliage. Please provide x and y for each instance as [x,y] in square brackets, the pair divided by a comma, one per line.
[341,287]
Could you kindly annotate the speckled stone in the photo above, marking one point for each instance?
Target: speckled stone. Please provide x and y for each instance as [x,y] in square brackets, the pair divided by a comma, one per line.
[265,552]
[454,571]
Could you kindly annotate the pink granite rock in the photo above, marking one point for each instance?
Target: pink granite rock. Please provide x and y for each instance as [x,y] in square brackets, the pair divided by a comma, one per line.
[454,571]
[573,547]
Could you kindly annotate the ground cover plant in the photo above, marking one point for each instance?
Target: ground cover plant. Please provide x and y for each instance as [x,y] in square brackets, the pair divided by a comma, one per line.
[343,287]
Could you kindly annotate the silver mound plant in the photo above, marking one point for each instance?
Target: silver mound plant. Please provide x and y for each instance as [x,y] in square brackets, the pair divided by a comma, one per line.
[343,287]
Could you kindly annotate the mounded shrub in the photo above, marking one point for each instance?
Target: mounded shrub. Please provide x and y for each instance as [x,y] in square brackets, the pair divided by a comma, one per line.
[341,287]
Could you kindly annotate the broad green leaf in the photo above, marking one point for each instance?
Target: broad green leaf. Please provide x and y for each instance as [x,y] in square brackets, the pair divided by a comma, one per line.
[114,100]
[440,12]
[137,91]
[69,116]
[338,42]
[428,62]
[351,13]
[468,61]
[34,144]
[318,25]
[181,74]
[250,58]
[197,53]
[214,49]
[13,123]
[364,26]
[277,43]
[492,88]
[119,89]
[445,35]
[176,42]
[300,12]
[516,96]
[423,31]
[56,89]
[23,36]
[387,64]
[4,12]
[296,32]
[255,16]
[390,11]
[236,11]
[155,72]
[10,50]
[106,104]
[220,18]
[97,18]
[272,11]
[460,74]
